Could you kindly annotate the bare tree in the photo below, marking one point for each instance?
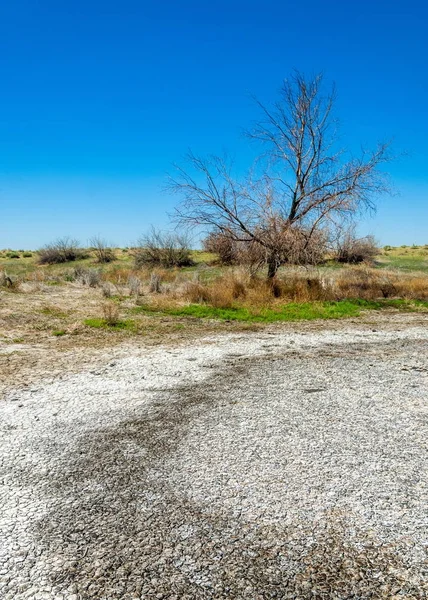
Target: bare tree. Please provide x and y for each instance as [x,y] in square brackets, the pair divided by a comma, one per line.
[301,182]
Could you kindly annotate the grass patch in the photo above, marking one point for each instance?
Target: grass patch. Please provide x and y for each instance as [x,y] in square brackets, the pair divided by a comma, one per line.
[53,311]
[304,311]
[97,323]
[58,332]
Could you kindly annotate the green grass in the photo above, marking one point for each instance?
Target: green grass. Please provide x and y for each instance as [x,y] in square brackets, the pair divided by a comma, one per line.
[97,323]
[52,311]
[304,311]
[413,262]
[58,332]
[406,258]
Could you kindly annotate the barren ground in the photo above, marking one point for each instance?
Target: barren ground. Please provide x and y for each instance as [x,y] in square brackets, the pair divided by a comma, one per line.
[288,462]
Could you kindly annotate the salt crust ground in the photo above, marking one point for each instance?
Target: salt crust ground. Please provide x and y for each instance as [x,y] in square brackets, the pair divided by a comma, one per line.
[266,465]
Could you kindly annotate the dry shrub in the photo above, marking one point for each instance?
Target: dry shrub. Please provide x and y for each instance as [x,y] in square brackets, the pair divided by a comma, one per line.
[297,287]
[196,292]
[292,245]
[155,285]
[61,251]
[412,288]
[220,293]
[102,250]
[353,250]
[223,246]
[166,275]
[134,284]
[365,283]
[110,313]
[89,277]
[106,290]
[119,276]
[226,290]
[6,281]
[163,249]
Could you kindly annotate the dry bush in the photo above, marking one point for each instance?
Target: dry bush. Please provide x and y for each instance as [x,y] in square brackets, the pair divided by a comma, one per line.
[110,313]
[118,276]
[220,293]
[163,249]
[89,277]
[295,246]
[102,250]
[226,290]
[155,285]
[222,244]
[412,288]
[166,275]
[300,288]
[106,290]
[352,250]
[196,292]
[365,283]
[134,285]
[6,281]
[61,251]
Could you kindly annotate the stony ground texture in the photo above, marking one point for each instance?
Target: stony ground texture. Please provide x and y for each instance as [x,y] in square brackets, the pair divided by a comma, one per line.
[289,463]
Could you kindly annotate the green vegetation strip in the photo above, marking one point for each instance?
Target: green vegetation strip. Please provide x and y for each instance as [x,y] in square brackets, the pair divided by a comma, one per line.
[304,311]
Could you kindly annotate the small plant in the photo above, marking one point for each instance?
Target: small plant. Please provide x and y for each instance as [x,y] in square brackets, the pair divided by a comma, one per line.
[58,332]
[155,286]
[110,313]
[89,277]
[13,255]
[6,281]
[106,290]
[27,254]
[134,285]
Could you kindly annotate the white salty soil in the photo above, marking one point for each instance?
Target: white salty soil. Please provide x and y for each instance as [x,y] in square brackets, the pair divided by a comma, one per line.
[288,463]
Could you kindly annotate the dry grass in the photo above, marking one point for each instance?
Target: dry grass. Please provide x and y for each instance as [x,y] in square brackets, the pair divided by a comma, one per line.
[238,288]
[118,289]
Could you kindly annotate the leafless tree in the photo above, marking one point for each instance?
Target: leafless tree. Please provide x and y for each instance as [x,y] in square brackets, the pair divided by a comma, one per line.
[301,182]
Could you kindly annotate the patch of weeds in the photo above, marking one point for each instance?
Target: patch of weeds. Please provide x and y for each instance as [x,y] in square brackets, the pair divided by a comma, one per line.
[53,311]
[58,332]
[18,340]
[99,323]
[53,282]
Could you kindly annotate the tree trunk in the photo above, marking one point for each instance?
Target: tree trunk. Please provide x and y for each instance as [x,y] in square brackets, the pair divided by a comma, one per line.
[273,265]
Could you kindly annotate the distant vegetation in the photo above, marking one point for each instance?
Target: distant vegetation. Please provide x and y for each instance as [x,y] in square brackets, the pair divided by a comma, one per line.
[163,276]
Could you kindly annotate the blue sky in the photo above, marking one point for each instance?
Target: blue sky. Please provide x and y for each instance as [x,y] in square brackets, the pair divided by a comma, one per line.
[99,99]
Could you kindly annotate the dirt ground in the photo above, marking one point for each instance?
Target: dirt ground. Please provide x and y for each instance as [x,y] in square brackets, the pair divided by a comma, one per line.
[285,462]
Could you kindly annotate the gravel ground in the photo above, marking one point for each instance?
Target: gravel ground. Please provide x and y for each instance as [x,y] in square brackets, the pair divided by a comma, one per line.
[277,464]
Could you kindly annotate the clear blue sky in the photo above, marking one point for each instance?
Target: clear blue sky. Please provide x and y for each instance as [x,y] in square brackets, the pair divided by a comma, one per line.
[98,99]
